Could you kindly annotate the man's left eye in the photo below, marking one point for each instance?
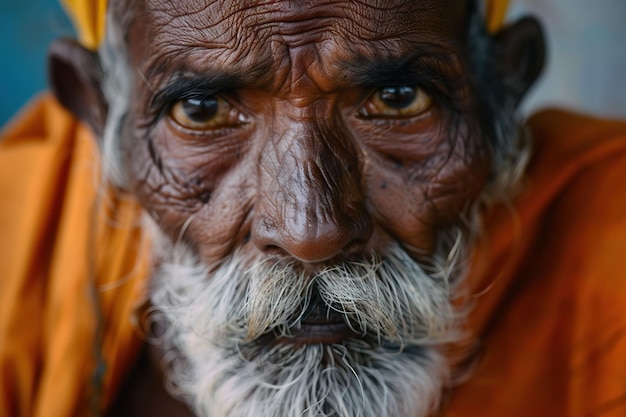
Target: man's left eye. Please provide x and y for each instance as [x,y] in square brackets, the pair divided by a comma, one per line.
[212,112]
[397,101]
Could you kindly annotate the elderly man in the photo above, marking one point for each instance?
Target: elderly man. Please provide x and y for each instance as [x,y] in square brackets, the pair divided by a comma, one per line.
[318,208]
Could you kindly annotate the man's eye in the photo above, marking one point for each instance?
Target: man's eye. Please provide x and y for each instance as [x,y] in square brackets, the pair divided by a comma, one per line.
[207,113]
[399,101]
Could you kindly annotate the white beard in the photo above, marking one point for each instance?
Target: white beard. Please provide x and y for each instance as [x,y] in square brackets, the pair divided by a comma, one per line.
[215,316]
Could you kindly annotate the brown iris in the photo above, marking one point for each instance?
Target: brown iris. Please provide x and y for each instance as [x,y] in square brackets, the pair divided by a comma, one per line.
[397,101]
[212,112]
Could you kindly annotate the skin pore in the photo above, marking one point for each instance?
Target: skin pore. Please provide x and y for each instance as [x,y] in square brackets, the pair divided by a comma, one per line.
[308,170]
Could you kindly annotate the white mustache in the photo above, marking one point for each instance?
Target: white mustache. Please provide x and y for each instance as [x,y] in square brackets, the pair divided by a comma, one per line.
[392,298]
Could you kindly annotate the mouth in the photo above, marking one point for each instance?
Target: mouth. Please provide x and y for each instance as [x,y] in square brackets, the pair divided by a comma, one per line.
[320,324]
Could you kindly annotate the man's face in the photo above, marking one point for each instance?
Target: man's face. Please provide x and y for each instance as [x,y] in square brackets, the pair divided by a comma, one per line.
[298,150]
[313,130]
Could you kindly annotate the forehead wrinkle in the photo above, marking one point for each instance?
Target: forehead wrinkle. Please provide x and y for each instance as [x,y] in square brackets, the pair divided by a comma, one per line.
[163,10]
[214,22]
[177,49]
[192,34]
[386,19]
[189,34]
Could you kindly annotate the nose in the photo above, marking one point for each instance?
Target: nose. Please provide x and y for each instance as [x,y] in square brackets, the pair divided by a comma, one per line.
[310,203]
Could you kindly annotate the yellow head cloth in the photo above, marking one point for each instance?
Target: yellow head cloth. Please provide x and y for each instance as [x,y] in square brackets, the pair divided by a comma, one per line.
[88,17]
[495,12]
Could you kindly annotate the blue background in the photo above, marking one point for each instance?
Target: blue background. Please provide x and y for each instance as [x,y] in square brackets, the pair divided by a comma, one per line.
[26,29]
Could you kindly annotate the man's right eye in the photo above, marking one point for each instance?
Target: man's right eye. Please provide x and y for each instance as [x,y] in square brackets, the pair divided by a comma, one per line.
[207,113]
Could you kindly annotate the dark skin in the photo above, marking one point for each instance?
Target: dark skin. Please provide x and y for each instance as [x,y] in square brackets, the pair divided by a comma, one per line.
[316,133]
[306,174]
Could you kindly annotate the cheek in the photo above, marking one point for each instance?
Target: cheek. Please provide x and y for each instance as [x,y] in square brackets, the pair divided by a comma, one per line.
[194,188]
[425,185]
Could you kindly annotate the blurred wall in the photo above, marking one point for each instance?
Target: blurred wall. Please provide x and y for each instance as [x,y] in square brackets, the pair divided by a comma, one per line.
[586,68]
[586,45]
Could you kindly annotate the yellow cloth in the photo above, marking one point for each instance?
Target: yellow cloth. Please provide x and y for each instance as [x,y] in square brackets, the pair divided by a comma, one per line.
[495,12]
[89,16]
[548,277]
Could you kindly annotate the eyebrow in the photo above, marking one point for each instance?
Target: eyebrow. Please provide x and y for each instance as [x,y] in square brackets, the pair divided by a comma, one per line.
[429,67]
[426,67]
[189,85]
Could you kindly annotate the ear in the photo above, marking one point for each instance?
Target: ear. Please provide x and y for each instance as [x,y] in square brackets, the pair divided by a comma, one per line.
[519,55]
[74,75]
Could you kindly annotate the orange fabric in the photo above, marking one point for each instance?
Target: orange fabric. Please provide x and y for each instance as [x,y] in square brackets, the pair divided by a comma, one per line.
[550,303]
[59,259]
[550,282]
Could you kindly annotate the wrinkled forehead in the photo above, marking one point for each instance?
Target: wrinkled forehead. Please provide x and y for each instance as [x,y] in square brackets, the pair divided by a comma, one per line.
[251,34]
[363,19]
[368,19]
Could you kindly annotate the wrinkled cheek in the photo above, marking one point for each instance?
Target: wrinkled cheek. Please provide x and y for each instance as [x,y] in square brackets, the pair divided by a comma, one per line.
[194,199]
[157,187]
[401,210]
[414,208]
[454,192]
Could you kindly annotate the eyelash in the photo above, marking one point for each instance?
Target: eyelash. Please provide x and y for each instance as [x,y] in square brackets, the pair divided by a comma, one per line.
[163,102]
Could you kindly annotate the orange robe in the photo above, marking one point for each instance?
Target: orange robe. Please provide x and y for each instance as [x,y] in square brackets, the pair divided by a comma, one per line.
[71,270]
[550,282]
[548,278]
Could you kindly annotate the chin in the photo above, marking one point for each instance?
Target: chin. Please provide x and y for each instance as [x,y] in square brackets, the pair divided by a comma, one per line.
[258,336]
